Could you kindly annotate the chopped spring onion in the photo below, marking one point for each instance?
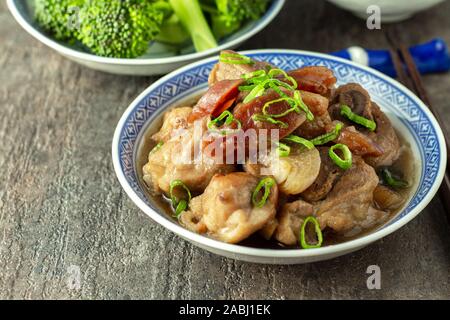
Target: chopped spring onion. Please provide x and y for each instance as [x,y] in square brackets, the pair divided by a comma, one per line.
[293,138]
[235,58]
[254,75]
[345,163]
[157,147]
[327,137]
[273,73]
[283,149]
[303,106]
[265,183]
[279,115]
[392,181]
[258,89]
[302,238]
[369,124]
[179,204]
[296,101]
[265,118]
[256,92]
[219,121]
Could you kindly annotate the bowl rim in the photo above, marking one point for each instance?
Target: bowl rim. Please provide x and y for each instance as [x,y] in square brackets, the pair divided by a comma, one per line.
[268,16]
[275,253]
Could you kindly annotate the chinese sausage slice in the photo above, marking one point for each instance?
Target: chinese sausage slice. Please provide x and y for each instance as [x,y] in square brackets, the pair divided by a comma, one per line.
[226,212]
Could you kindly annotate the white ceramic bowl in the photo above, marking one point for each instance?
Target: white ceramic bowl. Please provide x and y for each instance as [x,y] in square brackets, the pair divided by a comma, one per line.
[160,62]
[391,10]
[408,114]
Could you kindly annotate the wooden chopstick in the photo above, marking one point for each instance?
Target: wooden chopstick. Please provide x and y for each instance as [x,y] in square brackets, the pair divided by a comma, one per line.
[412,79]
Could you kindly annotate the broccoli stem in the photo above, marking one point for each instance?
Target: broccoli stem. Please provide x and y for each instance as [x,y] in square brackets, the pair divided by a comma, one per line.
[173,32]
[191,16]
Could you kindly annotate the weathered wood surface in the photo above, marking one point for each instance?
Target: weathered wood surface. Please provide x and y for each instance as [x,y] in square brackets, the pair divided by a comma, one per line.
[61,205]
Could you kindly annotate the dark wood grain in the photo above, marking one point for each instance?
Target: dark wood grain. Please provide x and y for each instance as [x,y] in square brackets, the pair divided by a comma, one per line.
[61,205]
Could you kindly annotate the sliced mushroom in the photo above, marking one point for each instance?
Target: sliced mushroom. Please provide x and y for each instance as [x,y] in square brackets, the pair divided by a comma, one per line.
[354,96]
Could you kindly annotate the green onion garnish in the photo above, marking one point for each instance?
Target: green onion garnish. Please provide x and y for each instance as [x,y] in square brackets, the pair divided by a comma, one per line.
[392,181]
[293,138]
[254,75]
[219,121]
[265,183]
[369,124]
[179,204]
[256,92]
[283,149]
[235,58]
[345,163]
[303,106]
[327,137]
[273,73]
[157,147]
[265,118]
[279,115]
[302,238]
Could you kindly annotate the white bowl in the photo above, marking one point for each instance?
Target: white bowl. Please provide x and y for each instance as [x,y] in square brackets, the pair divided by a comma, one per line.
[150,64]
[409,116]
[391,10]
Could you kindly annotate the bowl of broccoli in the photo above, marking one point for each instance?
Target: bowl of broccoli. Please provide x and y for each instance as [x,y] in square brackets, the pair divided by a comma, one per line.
[142,37]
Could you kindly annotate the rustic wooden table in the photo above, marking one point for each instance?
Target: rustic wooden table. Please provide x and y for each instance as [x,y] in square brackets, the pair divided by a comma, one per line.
[63,211]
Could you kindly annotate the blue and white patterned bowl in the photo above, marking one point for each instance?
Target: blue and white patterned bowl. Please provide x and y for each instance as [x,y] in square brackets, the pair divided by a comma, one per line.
[159,59]
[409,116]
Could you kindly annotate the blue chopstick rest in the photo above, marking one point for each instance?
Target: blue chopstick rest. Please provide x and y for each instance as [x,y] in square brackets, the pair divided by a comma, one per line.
[430,57]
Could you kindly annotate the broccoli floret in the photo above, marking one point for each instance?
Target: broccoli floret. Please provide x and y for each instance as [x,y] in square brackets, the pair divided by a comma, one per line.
[191,16]
[59,17]
[121,28]
[228,15]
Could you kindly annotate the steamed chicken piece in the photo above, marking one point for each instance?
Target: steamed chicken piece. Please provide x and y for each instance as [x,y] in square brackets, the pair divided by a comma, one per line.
[225,210]
[294,173]
[175,159]
[290,220]
[348,207]
[174,120]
